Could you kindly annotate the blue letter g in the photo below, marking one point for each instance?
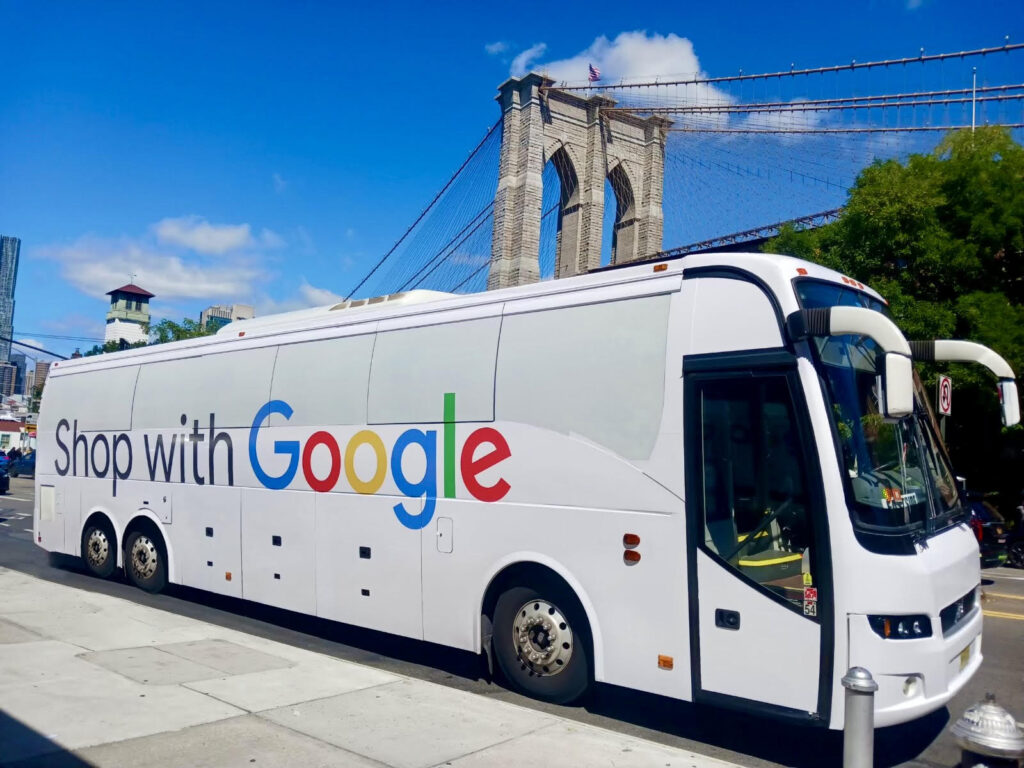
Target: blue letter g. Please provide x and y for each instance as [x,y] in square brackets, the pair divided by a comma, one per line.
[286,447]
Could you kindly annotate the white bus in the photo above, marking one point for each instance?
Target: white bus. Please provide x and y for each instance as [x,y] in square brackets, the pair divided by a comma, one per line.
[710,478]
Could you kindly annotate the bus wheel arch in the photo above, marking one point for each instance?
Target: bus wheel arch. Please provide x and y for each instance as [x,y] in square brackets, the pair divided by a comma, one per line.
[146,561]
[99,545]
[541,634]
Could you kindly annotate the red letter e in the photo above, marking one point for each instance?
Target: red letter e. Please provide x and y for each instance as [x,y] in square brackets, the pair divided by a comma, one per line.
[472,467]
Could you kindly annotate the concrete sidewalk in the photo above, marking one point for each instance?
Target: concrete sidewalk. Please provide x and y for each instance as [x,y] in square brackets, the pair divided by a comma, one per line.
[88,679]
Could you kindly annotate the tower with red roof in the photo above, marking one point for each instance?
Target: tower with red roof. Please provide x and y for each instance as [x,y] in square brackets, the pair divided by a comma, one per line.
[128,316]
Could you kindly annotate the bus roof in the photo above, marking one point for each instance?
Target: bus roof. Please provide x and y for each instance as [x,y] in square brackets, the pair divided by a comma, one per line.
[775,270]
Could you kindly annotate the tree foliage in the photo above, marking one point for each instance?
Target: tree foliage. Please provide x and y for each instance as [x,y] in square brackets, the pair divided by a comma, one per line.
[168,330]
[161,333]
[941,236]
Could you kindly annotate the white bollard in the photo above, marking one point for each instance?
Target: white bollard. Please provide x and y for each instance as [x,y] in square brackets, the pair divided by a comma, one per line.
[859,728]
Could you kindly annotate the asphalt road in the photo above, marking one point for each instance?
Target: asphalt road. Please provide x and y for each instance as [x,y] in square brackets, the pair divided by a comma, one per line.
[743,739]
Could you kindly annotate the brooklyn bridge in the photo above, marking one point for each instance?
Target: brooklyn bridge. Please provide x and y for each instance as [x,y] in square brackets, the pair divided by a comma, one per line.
[574,176]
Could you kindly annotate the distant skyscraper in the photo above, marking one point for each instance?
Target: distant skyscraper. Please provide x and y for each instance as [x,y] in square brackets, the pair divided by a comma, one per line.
[18,361]
[10,248]
[8,378]
[42,369]
[218,315]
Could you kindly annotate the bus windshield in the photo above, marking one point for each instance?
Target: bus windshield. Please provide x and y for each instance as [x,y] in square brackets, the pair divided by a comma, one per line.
[897,473]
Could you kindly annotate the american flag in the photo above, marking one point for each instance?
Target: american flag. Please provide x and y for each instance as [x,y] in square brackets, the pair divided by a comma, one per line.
[595,74]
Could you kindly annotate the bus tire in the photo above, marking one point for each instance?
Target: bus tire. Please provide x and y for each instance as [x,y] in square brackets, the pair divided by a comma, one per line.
[99,549]
[541,640]
[145,560]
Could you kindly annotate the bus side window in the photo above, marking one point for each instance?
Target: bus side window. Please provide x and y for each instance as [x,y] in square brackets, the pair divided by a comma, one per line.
[754,506]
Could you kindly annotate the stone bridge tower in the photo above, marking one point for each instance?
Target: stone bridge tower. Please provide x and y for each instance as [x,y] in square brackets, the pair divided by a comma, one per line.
[586,143]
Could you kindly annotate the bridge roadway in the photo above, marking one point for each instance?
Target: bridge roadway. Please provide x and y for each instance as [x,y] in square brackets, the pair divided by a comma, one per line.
[714,733]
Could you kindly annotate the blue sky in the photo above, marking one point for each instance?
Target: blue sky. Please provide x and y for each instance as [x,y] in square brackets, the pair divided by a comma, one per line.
[270,152]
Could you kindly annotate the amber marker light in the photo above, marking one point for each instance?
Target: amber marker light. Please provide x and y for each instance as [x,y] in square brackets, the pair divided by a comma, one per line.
[801,271]
[227,575]
[630,540]
[660,267]
[241,333]
[631,556]
[665,662]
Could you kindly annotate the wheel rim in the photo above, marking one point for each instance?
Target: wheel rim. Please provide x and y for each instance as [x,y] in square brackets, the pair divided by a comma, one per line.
[97,548]
[144,557]
[542,638]
[1017,555]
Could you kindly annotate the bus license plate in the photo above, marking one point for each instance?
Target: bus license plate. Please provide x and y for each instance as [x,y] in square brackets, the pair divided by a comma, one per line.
[965,656]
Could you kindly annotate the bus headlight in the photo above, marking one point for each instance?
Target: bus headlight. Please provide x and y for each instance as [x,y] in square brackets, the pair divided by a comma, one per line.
[901,627]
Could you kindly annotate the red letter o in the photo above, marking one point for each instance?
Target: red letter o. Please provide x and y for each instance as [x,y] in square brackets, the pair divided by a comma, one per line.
[321,438]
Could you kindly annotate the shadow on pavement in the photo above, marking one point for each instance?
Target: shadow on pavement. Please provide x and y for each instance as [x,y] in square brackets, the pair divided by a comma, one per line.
[795,745]
[789,744]
[24,747]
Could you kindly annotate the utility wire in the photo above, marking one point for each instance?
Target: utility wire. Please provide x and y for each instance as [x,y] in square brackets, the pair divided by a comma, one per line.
[425,210]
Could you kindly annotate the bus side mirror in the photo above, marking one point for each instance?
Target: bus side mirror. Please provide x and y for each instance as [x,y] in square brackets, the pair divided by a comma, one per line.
[897,388]
[1010,403]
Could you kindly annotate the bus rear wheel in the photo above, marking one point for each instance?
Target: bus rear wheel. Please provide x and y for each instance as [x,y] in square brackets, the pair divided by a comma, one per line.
[541,642]
[145,561]
[99,550]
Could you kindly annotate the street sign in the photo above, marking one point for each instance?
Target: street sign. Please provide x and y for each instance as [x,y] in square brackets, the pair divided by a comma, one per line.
[945,396]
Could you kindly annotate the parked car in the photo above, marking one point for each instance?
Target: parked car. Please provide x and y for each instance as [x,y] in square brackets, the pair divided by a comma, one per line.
[26,465]
[5,482]
[990,528]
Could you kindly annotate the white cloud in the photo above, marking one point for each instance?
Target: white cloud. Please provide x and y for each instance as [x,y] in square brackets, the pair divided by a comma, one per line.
[496,48]
[522,63]
[280,185]
[318,296]
[304,241]
[96,265]
[631,55]
[469,259]
[306,297]
[270,239]
[638,57]
[198,234]
[31,352]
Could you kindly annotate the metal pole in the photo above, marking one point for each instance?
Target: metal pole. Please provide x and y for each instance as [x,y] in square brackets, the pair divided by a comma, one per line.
[859,730]
[974,88]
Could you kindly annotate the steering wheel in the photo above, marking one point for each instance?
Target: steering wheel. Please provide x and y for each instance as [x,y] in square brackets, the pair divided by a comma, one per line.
[760,528]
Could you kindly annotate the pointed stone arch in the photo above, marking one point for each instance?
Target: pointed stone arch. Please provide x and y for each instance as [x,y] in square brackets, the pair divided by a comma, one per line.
[581,135]
[624,229]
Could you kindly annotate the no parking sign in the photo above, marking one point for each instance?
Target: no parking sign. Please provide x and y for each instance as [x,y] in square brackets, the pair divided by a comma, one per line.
[945,398]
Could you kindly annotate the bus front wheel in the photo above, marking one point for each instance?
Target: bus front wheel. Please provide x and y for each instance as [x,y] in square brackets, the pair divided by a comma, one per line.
[541,641]
[145,561]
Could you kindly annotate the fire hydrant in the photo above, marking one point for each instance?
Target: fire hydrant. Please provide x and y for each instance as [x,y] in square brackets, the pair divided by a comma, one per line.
[988,736]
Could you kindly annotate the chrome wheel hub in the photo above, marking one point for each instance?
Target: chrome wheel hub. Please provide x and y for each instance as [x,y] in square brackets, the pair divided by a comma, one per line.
[144,557]
[97,548]
[542,638]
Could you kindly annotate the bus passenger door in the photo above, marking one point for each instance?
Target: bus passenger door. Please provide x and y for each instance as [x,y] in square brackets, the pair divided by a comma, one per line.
[758,567]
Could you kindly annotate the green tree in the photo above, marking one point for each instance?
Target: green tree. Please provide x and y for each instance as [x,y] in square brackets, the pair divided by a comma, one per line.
[161,333]
[941,236]
[168,330]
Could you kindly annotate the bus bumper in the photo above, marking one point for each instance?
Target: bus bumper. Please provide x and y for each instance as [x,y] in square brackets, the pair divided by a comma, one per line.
[916,677]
